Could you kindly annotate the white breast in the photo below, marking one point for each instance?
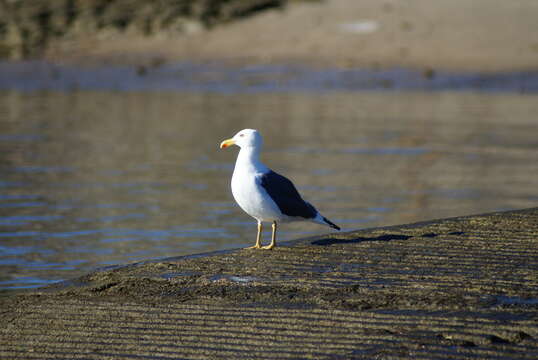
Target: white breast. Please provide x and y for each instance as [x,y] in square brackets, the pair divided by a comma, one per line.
[252,197]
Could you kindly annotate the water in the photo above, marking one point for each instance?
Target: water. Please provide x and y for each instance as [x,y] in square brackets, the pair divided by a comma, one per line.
[92,178]
[38,75]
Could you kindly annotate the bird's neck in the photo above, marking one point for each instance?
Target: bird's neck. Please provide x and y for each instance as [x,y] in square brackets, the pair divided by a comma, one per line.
[249,160]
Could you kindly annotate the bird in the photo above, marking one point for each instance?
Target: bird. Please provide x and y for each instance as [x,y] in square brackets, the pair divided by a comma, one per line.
[264,194]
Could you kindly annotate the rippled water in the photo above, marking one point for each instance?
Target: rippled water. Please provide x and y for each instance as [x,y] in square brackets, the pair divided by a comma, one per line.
[94,178]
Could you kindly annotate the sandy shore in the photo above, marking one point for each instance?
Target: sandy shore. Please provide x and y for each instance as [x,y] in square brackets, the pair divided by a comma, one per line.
[454,289]
[479,35]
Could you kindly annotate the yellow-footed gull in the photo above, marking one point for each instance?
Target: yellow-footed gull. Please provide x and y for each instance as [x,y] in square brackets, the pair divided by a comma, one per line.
[264,194]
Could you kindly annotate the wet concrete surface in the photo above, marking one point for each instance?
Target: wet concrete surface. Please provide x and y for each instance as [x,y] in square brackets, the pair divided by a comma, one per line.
[455,288]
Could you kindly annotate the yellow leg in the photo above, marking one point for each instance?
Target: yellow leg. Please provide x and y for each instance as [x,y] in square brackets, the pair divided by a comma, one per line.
[258,238]
[273,239]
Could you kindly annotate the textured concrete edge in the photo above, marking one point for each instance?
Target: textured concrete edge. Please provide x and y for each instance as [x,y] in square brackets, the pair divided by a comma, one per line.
[290,243]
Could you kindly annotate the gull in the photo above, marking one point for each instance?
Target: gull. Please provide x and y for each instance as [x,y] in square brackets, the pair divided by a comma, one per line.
[264,194]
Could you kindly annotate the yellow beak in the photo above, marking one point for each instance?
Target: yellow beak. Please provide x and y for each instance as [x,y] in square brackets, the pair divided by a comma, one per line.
[227,143]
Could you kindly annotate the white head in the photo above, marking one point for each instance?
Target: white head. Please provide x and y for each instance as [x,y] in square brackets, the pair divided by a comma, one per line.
[244,138]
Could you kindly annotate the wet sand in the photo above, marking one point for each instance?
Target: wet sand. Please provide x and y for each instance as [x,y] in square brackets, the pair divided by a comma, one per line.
[454,288]
[479,35]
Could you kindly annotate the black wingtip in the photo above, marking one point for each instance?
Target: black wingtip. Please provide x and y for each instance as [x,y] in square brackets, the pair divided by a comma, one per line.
[331,224]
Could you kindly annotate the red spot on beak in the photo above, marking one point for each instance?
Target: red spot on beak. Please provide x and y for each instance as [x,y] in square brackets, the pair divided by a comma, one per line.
[226,143]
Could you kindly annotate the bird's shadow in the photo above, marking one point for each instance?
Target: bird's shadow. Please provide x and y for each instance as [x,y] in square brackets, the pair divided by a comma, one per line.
[385,237]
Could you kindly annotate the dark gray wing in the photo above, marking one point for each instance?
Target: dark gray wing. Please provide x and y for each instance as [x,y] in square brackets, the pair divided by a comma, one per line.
[286,196]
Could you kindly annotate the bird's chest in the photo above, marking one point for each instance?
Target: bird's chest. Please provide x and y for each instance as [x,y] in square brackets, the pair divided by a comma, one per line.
[252,198]
[246,191]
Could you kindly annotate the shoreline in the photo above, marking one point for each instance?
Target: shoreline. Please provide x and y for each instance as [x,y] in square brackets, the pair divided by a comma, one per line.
[234,78]
[288,243]
[462,287]
[441,36]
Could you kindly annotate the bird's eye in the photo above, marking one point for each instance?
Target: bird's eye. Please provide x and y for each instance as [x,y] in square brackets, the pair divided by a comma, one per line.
[241,135]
